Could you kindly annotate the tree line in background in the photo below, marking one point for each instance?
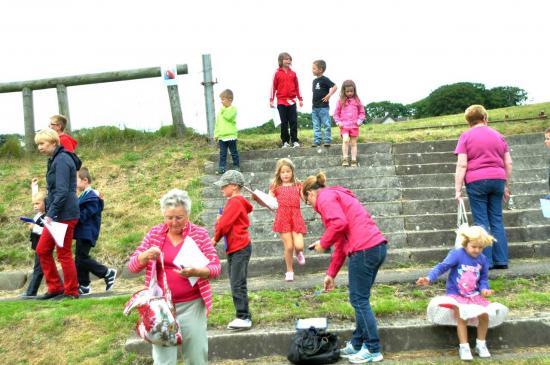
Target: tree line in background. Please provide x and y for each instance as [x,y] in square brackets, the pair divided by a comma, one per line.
[450,99]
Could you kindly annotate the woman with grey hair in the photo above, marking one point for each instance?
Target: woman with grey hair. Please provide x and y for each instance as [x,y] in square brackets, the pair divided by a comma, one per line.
[192,303]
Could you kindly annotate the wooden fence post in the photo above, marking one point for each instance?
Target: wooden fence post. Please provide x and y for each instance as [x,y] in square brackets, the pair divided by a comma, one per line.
[175,107]
[28,114]
[208,95]
[63,104]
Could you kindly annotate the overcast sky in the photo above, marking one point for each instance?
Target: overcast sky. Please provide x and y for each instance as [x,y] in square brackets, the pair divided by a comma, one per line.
[394,50]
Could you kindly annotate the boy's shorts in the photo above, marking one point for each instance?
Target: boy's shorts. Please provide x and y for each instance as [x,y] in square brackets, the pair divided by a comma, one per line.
[352,132]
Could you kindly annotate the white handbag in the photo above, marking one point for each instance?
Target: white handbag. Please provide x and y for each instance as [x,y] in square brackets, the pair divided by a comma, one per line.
[461,223]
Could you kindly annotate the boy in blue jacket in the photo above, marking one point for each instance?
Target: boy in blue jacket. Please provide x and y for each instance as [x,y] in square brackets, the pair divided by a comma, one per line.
[86,233]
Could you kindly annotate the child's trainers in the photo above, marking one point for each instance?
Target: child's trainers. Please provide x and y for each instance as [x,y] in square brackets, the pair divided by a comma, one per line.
[301,258]
[465,353]
[289,276]
[345,162]
[84,290]
[348,350]
[110,279]
[239,324]
[364,356]
[482,350]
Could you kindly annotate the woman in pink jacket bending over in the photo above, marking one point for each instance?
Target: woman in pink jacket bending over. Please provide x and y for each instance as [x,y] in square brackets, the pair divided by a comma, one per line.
[349,115]
[354,234]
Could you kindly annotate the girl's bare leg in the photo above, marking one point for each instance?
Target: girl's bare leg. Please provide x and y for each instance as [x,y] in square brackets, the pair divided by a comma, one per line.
[288,250]
[482,326]
[298,240]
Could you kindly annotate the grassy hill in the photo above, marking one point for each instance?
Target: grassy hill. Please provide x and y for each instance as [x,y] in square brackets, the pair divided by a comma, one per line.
[133,169]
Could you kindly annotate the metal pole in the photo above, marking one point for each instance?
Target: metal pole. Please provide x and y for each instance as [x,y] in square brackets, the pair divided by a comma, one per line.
[28,114]
[175,107]
[208,95]
[63,104]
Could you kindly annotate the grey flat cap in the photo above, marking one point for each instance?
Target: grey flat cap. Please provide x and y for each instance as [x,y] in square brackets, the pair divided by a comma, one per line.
[230,177]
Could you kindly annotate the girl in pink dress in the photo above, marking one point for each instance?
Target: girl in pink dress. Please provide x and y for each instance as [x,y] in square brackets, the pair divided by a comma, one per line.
[349,115]
[289,222]
[467,286]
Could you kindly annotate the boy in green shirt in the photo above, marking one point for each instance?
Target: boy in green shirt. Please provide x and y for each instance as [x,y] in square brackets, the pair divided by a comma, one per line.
[225,131]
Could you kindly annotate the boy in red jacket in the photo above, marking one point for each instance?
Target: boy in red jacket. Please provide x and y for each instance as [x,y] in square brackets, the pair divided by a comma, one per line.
[233,224]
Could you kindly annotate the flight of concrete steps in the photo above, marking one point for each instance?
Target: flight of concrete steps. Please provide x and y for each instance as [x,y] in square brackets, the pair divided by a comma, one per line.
[409,190]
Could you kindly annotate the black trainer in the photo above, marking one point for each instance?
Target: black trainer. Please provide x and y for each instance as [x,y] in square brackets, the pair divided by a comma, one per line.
[49,295]
[110,279]
[84,290]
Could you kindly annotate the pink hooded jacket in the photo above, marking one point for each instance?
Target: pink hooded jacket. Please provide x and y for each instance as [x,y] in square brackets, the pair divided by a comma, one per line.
[348,225]
[350,113]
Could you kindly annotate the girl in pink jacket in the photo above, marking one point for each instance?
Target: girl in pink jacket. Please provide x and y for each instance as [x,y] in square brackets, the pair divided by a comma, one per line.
[354,235]
[349,115]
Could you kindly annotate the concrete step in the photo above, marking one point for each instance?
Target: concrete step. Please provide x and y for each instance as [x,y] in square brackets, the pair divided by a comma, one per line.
[426,193]
[520,163]
[396,224]
[448,205]
[449,157]
[524,268]
[272,261]
[306,150]
[447,179]
[310,162]
[450,145]
[414,334]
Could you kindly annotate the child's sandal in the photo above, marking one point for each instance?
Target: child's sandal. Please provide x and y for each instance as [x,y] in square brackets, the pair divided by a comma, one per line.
[353,163]
[345,162]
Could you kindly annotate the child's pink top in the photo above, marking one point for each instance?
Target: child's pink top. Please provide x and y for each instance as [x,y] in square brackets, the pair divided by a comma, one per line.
[350,113]
[485,149]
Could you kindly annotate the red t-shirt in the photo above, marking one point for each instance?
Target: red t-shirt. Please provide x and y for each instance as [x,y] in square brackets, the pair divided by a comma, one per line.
[181,289]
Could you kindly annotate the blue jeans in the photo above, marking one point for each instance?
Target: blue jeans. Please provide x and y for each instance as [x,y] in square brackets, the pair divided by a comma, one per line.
[321,123]
[486,204]
[224,145]
[362,269]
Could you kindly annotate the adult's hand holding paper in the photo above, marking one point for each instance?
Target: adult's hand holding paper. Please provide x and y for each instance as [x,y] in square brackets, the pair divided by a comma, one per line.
[191,256]
[57,230]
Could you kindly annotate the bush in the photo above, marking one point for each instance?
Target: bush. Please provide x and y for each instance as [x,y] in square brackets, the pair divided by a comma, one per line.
[108,135]
[11,148]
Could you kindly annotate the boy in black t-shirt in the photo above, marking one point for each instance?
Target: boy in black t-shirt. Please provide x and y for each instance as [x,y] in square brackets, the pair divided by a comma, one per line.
[323,89]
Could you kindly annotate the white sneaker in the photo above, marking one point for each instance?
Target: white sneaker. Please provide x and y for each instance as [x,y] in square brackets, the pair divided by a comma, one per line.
[465,353]
[482,351]
[285,145]
[289,276]
[295,144]
[239,323]
[364,356]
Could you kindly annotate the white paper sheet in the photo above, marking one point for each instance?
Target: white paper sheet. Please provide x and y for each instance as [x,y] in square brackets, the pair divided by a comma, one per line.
[265,200]
[304,324]
[276,117]
[190,256]
[57,230]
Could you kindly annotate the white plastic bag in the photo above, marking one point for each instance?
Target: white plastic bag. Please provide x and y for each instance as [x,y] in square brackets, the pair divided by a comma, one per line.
[461,223]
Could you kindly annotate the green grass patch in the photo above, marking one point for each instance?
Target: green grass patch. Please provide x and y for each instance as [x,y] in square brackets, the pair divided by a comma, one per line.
[97,328]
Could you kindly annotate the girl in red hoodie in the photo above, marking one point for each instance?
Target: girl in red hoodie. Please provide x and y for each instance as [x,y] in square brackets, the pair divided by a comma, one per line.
[286,88]
[354,234]
[289,222]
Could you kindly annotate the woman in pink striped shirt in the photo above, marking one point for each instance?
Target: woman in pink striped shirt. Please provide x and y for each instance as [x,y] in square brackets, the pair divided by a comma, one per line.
[193,303]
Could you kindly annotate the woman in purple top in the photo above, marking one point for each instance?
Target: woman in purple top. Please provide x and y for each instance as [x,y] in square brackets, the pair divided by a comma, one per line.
[485,166]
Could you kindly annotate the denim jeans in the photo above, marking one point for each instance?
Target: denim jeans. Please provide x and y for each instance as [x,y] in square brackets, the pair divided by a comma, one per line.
[224,145]
[321,123]
[237,269]
[289,119]
[362,269]
[486,204]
